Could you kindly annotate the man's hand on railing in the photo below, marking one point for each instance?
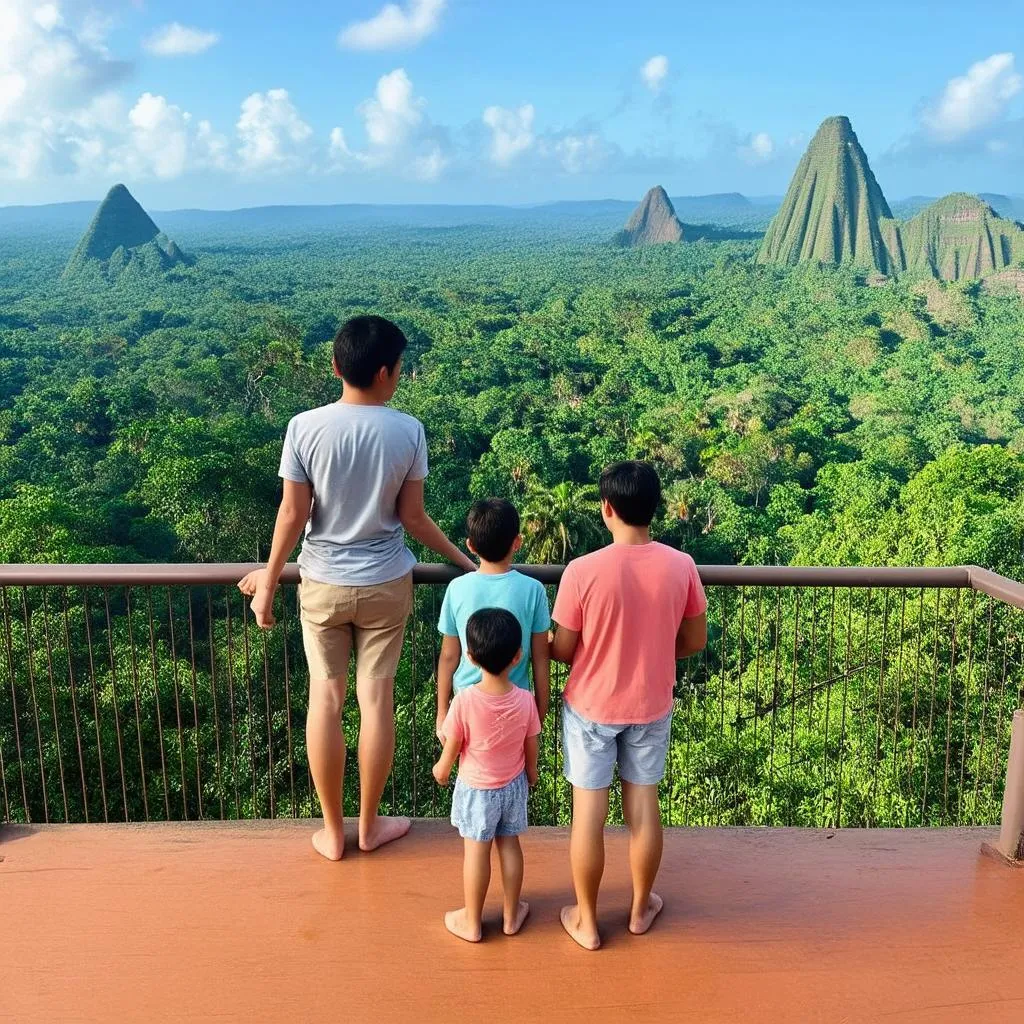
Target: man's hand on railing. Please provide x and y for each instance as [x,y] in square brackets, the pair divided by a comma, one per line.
[256,585]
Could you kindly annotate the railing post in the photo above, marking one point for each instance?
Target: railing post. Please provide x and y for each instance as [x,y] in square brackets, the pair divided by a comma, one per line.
[1010,847]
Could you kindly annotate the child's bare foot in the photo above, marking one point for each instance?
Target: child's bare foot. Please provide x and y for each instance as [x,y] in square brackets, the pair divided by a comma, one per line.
[455,921]
[327,845]
[383,830]
[640,923]
[513,925]
[571,923]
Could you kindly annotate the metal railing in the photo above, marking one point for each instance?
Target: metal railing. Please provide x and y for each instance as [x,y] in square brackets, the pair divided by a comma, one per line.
[825,697]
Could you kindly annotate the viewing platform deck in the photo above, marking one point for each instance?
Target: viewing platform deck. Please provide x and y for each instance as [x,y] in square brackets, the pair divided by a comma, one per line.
[244,922]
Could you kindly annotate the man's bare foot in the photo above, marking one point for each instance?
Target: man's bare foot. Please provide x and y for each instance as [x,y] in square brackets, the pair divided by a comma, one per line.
[329,846]
[512,926]
[455,921]
[571,923]
[383,830]
[640,923]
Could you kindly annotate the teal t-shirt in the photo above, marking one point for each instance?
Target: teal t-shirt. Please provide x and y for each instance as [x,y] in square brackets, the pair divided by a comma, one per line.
[524,597]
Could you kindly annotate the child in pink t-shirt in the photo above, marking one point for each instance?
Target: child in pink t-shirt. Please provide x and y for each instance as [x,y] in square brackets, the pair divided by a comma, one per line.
[493,729]
[625,614]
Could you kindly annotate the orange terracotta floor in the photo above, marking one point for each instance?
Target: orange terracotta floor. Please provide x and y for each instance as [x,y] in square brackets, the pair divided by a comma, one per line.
[243,922]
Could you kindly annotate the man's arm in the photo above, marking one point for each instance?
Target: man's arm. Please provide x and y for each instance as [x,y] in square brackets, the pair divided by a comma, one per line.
[292,517]
[413,516]
[447,663]
[443,768]
[540,656]
[692,636]
[532,752]
[564,644]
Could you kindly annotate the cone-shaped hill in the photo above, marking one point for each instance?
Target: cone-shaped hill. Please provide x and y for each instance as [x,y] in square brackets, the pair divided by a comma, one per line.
[834,211]
[959,237]
[122,235]
[654,221]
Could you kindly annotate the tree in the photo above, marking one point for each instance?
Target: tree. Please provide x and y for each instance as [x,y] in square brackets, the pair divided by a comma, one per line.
[559,521]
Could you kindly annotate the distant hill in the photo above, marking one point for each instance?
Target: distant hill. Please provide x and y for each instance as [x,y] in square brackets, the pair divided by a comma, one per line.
[122,236]
[834,211]
[960,237]
[654,222]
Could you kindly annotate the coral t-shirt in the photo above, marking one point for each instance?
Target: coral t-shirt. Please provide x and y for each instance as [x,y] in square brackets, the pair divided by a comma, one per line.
[627,602]
[491,730]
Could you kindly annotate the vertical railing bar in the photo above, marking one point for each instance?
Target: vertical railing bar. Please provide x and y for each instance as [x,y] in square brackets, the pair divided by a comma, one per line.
[53,703]
[931,708]
[860,759]
[723,678]
[231,705]
[113,701]
[156,701]
[997,764]
[288,704]
[414,759]
[899,689]
[967,694]
[949,703]
[792,707]
[14,703]
[775,701]
[95,702]
[738,720]
[842,719]
[250,721]
[29,661]
[135,696]
[270,731]
[195,699]
[177,705]
[829,678]
[814,659]
[878,709]
[74,703]
[917,682]
[984,712]
[213,696]
[760,660]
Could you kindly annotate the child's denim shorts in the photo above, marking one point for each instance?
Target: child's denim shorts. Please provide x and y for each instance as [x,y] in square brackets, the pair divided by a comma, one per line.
[482,814]
[590,751]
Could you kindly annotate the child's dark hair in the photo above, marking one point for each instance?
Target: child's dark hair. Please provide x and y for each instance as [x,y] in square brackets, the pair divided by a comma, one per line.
[633,490]
[491,526]
[365,344]
[493,637]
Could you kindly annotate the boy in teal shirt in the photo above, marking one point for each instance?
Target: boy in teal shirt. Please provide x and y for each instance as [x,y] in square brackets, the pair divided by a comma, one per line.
[492,529]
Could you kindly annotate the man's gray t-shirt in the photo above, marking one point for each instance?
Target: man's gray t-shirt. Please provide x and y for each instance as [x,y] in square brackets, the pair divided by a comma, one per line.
[356,457]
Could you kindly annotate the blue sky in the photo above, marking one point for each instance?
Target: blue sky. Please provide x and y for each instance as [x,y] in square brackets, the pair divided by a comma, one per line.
[222,104]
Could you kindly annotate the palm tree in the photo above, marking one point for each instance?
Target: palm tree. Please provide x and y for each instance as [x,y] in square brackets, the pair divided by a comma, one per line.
[560,521]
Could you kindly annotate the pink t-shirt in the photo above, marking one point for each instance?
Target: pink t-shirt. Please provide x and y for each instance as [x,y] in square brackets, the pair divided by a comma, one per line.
[627,602]
[492,733]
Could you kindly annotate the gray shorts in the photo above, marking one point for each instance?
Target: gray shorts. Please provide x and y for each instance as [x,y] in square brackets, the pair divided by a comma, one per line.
[590,751]
[482,814]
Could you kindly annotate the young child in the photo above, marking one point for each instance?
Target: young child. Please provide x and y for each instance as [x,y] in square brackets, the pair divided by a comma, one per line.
[492,728]
[492,530]
[625,614]
[353,480]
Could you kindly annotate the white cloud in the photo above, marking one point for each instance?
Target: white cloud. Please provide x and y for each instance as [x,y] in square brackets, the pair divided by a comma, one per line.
[654,72]
[758,149]
[974,100]
[576,153]
[511,132]
[176,40]
[338,154]
[394,27]
[159,137]
[272,136]
[393,113]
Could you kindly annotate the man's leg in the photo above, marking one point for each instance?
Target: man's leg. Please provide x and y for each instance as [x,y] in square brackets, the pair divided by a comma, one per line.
[586,854]
[466,922]
[376,753]
[325,744]
[643,816]
[381,615]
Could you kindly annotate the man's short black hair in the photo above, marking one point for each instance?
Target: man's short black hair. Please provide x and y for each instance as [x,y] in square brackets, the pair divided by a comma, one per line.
[633,490]
[365,344]
[491,526]
[493,637]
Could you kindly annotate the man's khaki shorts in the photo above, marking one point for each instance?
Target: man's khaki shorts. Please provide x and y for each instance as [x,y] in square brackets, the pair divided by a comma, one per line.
[369,619]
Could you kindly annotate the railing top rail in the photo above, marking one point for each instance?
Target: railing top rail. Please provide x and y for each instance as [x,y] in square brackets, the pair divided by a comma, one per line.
[200,574]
